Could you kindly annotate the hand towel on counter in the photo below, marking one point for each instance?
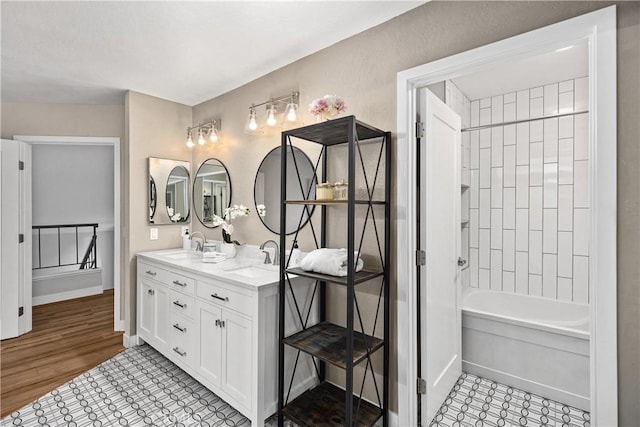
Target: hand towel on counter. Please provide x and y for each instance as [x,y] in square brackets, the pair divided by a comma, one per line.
[329,261]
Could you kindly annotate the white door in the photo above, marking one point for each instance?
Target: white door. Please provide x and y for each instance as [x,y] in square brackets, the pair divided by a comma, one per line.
[440,328]
[210,357]
[236,356]
[147,310]
[162,320]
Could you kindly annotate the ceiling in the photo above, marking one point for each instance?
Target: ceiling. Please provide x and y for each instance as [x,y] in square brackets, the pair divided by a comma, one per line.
[533,71]
[90,52]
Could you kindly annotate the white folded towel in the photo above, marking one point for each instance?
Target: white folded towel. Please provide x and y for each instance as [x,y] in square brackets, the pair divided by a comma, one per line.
[329,261]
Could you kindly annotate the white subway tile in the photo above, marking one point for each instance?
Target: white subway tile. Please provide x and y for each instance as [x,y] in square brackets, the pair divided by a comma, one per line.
[485,103]
[522,142]
[464,216]
[509,113]
[474,189]
[522,186]
[466,116]
[466,138]
[535,285]
[474,148]
[522,104]
[581,227]
[473,267]
[522,230]
[496,109]
[484,281]
[565,86]
[581,184]
[485,167]
[485,248]
[536,131]
[565,161]
[485,116]
[509,134]
[549,275]
[496,228]
[535,163]
[550,140]
[485,138]
[535,252]
[581,91]
[473,228]
[536,108]
[565,289]
[522,273]
[496,146]
[509,250]
[475,113]
[508,281]
[509,173]
[565,102]
[496,187]
[535,208]
[509,97]
[485,208]
[550,185]
[565,254]
[565,127]
[565,207]
[581,136]
[550,231]
[551,99]
[496,270]
[536,92]
[581,279]
[509,209]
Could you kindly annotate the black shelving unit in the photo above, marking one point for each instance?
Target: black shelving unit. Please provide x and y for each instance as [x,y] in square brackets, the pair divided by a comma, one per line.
[342,346]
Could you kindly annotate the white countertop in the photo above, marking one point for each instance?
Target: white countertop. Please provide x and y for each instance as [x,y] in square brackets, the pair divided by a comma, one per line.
[245,269]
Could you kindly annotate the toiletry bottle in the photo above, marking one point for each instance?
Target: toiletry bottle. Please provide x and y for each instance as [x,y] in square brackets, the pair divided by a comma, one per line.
[295,254]
[186,241]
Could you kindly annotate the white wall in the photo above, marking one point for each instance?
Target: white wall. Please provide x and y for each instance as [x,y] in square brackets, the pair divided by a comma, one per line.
[74,184]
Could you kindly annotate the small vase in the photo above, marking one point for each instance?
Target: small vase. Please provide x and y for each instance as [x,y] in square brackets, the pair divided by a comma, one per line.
[229,249]
[321,118]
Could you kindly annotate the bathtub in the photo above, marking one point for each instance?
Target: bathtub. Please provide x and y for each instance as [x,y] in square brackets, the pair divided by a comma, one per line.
[535,344]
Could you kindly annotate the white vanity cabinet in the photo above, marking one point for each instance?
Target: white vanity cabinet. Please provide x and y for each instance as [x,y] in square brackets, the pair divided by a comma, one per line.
[219,328]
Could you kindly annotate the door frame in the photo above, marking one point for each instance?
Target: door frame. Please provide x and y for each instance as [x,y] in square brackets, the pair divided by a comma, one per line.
[599,30]
[118,323]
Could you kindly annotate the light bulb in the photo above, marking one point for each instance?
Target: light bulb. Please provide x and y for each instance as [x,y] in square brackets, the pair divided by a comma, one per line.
[271,116]
[213,136]
[292,112]
[201,140]
[253,125]
[190,143]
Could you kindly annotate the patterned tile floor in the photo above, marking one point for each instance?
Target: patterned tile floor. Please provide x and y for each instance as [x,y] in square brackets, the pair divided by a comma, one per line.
[138,387]
[477,402]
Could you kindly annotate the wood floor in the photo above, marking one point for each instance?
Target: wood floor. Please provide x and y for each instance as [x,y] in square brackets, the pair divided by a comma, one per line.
[68,338]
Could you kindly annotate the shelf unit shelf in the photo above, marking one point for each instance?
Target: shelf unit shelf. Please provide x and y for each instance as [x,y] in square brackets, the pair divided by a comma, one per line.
[326,341]
[330,345]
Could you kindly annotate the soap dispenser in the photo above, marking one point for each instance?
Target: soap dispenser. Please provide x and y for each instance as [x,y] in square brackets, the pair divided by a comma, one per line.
[186,241]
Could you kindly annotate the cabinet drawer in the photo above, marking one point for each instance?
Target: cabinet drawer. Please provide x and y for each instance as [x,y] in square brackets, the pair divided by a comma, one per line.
[183,339]
[224,297]
[151,272]
[181,283]
[183,304]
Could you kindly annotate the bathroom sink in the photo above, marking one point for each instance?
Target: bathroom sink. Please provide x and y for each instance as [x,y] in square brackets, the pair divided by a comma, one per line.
[251,271]
[183,255]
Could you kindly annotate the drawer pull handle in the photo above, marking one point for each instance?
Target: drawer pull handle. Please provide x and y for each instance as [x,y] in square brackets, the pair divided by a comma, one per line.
[151,273]
[181,353]
[216,296]
[177,326]
[150,292]
[219,323]
[222,322]
[179,305]
[177,282]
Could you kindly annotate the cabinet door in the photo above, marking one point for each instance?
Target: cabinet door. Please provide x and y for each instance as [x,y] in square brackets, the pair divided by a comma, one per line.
[146,328]
[162,319]
[236,356]
[210,354]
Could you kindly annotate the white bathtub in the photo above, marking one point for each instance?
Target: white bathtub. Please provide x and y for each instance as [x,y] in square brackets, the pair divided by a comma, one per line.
[536,344]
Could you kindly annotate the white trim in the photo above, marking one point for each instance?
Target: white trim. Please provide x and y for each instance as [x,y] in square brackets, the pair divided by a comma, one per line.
[63,296]
[599,30]
[131,341]
[118,324]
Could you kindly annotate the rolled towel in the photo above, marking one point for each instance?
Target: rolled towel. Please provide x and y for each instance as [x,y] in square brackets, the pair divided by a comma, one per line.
[329,261]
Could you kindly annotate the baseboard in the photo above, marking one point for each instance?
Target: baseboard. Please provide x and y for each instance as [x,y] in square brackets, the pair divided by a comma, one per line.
[563,396]
[130,341]
[62,296]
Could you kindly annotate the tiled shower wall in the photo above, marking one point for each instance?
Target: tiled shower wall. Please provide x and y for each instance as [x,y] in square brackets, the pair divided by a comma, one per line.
[528,201]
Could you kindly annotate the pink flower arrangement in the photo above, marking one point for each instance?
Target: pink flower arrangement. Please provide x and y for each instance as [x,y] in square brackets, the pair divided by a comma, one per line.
[328,106]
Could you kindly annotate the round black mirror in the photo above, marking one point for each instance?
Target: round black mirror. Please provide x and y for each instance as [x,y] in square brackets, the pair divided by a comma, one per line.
[153,198]
[301,184]
[177,194]
[211,191]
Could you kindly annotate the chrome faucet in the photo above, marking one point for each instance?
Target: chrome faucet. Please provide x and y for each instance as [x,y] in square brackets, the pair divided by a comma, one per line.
[199,245]
[267,258]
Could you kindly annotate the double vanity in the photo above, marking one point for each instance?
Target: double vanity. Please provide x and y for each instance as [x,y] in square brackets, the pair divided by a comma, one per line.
[219,323]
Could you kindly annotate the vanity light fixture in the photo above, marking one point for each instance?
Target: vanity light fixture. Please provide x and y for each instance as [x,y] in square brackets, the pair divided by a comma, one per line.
[210,128]
[290,118]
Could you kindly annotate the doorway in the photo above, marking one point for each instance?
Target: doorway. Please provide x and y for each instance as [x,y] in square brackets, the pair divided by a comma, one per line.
[597,29]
